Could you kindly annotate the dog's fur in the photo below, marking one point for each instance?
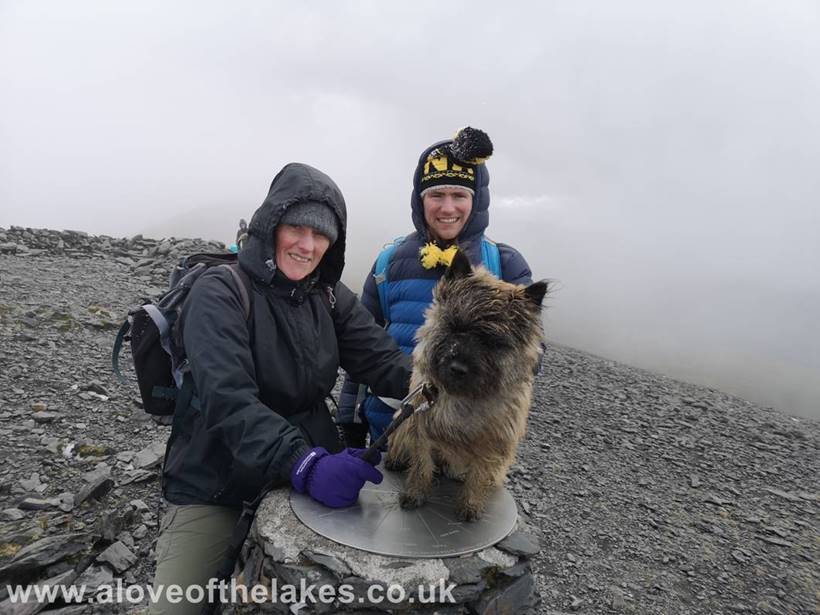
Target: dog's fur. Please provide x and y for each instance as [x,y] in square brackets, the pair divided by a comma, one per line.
[479,346]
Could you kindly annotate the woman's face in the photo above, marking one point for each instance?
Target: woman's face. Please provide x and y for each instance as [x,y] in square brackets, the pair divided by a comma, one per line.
[299,250]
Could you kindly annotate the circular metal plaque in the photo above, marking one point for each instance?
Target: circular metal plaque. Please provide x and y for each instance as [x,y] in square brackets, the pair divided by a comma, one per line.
[378,524]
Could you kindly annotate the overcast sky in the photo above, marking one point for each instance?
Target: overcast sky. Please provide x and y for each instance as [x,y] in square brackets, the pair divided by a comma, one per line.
[659,160]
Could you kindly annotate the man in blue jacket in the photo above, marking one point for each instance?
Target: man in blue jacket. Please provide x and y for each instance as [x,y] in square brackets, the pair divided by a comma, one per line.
[450,211]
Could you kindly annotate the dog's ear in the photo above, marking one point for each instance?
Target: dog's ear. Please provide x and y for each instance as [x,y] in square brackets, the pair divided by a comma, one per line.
[460,267]
[535,292]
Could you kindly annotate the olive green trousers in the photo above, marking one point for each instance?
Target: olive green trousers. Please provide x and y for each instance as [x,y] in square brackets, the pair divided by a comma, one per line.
[192,543]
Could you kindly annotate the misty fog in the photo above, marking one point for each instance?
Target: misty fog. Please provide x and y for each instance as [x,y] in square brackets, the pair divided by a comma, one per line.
[658,161]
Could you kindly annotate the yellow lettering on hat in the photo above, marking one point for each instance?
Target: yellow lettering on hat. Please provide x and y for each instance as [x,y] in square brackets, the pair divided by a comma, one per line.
[439,164]
[461,169]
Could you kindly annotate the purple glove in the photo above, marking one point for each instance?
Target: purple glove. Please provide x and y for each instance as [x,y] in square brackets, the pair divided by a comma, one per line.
[333,480]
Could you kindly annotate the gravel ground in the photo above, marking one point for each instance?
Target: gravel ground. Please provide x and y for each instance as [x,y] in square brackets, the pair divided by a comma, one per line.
[650,495]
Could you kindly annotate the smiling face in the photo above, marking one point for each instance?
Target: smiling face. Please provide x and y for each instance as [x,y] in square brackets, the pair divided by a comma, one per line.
[299,250]
[446,211]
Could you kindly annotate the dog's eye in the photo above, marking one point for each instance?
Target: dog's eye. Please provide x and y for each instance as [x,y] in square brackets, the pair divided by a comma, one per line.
[490,339]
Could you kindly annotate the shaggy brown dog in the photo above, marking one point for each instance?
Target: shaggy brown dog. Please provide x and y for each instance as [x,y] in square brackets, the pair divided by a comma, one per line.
[479,347]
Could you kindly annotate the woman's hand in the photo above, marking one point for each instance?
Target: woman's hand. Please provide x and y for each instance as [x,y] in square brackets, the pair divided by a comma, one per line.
[333,480]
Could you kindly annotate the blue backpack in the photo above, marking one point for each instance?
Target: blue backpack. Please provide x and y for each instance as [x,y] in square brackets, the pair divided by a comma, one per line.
[490,258]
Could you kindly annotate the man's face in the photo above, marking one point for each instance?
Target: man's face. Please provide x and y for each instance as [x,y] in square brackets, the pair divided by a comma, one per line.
[446,211]
[299,249]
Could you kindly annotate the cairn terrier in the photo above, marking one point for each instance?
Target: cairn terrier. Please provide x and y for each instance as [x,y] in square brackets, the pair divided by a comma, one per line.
[479,346]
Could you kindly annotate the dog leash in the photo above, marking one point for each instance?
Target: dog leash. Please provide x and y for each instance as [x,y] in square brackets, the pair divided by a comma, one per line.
[420,399]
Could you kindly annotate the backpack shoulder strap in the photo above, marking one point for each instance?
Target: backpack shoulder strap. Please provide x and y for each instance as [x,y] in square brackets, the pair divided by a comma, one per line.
[380,274]
[243,284]
[491,256]
[115,353]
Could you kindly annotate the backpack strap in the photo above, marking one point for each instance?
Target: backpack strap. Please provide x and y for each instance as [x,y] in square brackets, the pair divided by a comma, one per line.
[184,398]
[163,327]
[491,256]
[243,283]
[115,354]
[380,275]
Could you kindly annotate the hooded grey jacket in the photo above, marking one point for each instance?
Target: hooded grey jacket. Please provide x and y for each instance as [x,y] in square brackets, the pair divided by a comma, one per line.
[260,384]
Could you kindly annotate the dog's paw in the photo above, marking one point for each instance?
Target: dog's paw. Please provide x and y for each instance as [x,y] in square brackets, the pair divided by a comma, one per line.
[409,501]
[467,512]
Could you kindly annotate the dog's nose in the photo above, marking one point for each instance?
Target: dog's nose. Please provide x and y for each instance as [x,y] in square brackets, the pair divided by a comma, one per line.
[458,369]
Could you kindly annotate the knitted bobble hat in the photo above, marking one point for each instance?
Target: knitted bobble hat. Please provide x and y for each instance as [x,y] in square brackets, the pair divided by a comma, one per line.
[453,164]
[317,216]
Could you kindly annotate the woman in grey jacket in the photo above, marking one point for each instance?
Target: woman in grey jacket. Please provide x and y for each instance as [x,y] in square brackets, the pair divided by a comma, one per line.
[259,416]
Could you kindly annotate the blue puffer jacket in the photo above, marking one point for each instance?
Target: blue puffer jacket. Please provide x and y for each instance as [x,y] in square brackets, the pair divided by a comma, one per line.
[410,290]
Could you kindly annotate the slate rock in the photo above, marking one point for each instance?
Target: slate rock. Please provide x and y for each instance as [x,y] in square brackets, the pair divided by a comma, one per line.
[93,577]
[109,524]
[466,570]
[118,556]
[138,476]
[126,456]
[12,514]
[140,532]
[96,490]
[139,505]
[44,552]
[292,574]
[32,606]
[151,456]
[43,418]
[512,598]
[66,501]
[101,470]
[38,503]
[519,543]
[31,485]
[334,564]
[618,603]
[516,571]
[468,592]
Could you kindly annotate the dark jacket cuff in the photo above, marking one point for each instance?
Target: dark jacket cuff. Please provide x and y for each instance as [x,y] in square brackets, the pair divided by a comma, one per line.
[299,452]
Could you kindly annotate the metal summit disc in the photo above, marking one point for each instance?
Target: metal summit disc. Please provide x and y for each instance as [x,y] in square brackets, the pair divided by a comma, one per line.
[377,523]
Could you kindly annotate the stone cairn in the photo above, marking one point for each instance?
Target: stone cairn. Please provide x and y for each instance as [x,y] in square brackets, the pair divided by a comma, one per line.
[495,580]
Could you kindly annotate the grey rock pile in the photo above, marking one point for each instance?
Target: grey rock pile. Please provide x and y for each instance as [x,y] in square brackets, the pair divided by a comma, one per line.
[646,495]
[79,497]
[498,579]
[137,251]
